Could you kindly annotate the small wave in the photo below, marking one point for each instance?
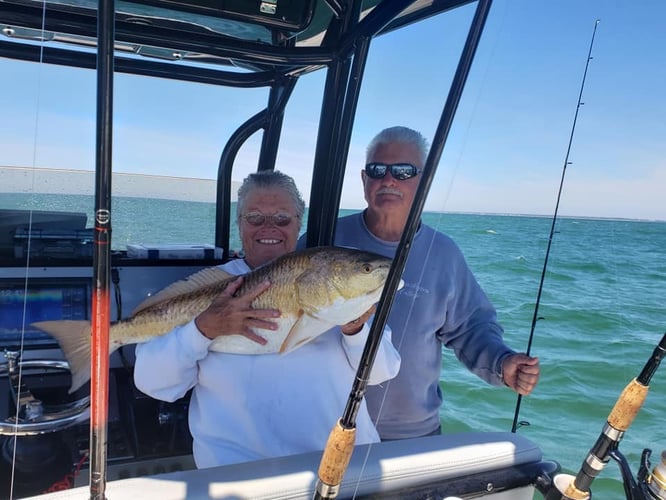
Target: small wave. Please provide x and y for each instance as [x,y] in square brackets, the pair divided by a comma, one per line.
[491,231]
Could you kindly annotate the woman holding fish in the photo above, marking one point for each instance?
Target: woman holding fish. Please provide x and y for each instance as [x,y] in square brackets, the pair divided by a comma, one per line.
[247,408]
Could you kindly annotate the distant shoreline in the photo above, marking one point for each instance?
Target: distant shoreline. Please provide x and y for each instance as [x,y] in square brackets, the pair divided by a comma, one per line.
[70,181]
[42,180]
[550,216]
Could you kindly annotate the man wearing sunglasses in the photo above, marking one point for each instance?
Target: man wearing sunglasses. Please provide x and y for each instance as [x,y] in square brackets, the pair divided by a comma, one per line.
[441,302]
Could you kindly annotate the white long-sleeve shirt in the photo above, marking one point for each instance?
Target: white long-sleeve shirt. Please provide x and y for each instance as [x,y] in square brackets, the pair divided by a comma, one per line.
[249,407]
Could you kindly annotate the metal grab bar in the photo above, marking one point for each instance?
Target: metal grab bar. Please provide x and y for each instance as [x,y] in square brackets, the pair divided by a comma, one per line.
[33,416]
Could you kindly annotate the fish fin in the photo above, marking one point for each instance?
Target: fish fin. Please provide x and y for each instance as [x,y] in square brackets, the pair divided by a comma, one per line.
[304,330]
[201,279]
[74,340]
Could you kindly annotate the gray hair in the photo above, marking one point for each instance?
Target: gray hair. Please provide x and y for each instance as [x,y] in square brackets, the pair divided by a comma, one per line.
[269,179]
[401,135]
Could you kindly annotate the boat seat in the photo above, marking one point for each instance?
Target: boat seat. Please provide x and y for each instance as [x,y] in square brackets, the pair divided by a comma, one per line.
[383,467]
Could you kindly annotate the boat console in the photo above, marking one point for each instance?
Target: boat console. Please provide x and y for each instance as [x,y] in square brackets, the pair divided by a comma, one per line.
[49,426]
[46,435]
[145,436]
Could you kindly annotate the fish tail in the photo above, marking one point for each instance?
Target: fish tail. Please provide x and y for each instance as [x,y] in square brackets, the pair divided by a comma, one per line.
[74,340]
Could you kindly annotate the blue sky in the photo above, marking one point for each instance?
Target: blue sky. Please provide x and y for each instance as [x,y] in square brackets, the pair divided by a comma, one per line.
[505,152]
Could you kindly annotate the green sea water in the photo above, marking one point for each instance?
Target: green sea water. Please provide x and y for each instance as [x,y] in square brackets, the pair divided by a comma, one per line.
[602,308]
[603,313]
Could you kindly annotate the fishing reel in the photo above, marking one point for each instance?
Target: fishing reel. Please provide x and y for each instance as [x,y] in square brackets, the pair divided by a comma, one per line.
[647,485]
[34,416]
[650,486]
[33,453]
[655,481]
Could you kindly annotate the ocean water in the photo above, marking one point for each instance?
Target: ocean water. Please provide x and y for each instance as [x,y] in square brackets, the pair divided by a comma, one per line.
[603,310]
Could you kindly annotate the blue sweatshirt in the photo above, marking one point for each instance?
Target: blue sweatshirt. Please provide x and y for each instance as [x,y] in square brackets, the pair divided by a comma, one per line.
[441,303]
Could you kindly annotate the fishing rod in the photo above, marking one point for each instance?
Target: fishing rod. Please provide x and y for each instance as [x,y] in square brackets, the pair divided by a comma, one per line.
[535,317]
[101,303]
[620,418]
[340,444]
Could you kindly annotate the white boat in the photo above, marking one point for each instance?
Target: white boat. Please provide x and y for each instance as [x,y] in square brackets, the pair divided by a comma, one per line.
[46,258]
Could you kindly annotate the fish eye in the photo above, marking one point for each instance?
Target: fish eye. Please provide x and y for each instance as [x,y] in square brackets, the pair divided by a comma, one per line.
[367,268]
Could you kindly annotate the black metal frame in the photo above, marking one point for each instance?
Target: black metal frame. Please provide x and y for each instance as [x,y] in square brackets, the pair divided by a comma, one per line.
[342,53]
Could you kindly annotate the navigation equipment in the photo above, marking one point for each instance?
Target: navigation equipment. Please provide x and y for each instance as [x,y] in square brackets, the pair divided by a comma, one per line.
[40,300]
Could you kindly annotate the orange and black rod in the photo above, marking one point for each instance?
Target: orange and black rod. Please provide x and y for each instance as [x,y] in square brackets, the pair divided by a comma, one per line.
[340,444]
[620,418]
[99,380]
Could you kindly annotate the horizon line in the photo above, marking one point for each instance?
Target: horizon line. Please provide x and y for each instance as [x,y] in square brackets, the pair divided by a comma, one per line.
[131,193]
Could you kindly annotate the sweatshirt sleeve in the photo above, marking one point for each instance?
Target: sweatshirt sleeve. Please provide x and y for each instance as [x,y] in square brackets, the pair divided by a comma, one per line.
[166,367]
[481,349]
[387,360]
[472,330]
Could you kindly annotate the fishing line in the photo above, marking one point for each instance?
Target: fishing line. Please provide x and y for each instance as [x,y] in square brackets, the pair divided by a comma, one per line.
[28,251]
[535,316]
[472,117]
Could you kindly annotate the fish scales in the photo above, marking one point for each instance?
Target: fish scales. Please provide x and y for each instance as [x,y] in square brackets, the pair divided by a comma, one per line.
[282,276]
[297,282]
[165,316]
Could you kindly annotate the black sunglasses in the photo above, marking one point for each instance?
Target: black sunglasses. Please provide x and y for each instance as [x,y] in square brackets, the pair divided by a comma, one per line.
[399,171]
[258,219]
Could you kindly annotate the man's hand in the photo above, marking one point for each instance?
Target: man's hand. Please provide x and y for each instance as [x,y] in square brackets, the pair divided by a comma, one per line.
[229,315]
[353,327]
[521,373]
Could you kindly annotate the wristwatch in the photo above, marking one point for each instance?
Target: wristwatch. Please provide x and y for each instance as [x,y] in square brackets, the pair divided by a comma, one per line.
[499,367]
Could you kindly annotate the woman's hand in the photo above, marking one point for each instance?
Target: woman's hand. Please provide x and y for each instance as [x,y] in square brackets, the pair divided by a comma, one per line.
[229,315]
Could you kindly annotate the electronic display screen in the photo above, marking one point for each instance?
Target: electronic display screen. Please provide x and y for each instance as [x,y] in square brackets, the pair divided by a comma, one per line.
[21,306]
